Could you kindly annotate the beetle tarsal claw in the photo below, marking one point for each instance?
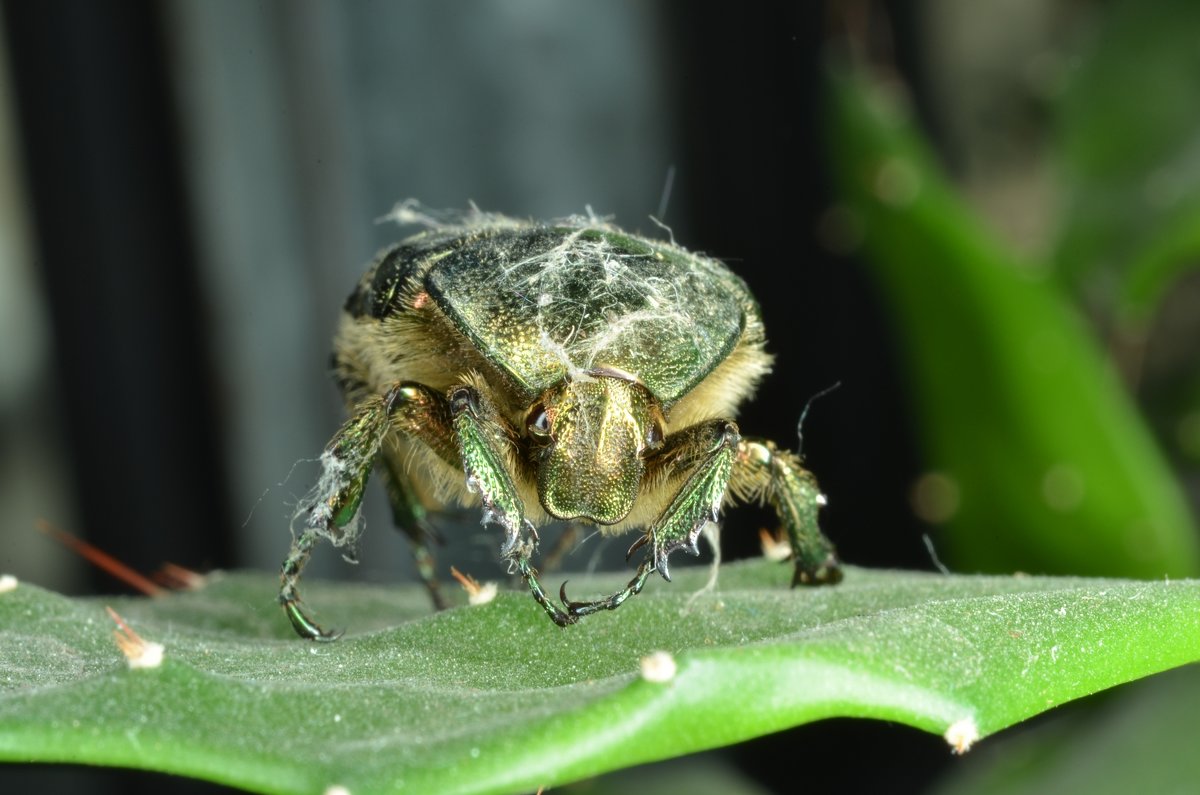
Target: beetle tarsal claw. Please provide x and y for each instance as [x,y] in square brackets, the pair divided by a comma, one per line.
[636,545]
[577,610]
[307,628]
[567,603]
[689,544]
[661,564]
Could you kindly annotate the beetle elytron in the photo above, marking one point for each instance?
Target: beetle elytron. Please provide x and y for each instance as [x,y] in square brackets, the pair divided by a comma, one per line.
[567,371]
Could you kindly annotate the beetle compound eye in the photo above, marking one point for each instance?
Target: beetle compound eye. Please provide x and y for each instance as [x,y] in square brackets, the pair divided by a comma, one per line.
[654,438]
[539,422]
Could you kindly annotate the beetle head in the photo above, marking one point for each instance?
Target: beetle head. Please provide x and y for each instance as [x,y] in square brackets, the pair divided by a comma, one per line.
[593,434]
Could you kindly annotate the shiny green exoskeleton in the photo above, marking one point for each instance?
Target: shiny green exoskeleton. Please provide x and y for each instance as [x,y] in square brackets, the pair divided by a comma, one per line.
[567,371]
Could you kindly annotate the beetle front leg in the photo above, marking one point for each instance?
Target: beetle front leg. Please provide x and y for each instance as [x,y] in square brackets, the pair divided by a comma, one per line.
[481,432]
[578,609]
[712,446]
[779,477]
[707,452]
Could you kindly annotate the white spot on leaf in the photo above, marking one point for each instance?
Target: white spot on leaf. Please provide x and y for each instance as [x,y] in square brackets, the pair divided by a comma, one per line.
[658,667]
[139,652]
[774,546]
[961,735]
[477,593]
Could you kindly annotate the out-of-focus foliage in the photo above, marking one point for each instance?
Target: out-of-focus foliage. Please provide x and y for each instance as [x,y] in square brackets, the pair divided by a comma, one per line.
[1128,142]
[1041,459]
[1044,462]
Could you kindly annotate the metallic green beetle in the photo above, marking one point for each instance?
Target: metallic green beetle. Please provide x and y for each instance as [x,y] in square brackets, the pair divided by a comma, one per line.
[566,371]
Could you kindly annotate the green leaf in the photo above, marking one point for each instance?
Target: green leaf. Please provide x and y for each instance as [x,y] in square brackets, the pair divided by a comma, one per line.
[1047,464]
[495,699]
[1131,172]
[1141,740]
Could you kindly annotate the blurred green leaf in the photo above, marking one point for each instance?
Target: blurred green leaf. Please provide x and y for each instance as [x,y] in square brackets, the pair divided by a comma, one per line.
[697,774]
[494,699]
[1130,154]
[1047,465]
[1143,739]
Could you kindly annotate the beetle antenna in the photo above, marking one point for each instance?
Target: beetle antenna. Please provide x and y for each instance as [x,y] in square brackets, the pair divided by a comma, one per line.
[665,228]
[804,413]
[664,199]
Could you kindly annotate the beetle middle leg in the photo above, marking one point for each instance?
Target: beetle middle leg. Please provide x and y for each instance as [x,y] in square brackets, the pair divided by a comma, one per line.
[330,511]
[409,516]
[778,477]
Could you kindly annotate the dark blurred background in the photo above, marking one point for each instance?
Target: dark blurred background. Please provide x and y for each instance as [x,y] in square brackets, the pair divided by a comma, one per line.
[189,189]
